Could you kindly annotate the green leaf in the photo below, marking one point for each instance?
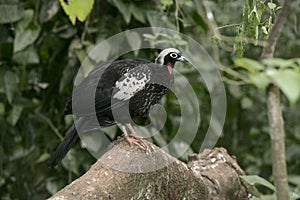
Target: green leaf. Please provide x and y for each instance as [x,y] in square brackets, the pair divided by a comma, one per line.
[77,9]
[10,11]
[133,40]
[165,3]
[52,187]
[23,24]
[42,158]
[28,56]
[2,181]
[2,109]
[97,54]
[278,62]
[296,60]
[149,36]
[157,19]
[15,114]
[264,30]
[24,39]
[246,103]
[289,83]
[124,9]
[294,179]
[272,6]
[137,13]
[252,66]
[256,180]
[260,80]
[10,85]
[48,10]
[294,195]
[199,20]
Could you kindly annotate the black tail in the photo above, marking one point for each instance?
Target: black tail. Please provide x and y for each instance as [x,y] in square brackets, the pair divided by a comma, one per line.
[70,139]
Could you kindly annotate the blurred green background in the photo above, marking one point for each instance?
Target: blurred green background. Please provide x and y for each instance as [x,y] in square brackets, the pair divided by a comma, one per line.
[41,51]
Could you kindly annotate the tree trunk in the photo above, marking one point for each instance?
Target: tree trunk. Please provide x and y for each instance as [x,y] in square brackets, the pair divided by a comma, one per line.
[127,172]
[276,122]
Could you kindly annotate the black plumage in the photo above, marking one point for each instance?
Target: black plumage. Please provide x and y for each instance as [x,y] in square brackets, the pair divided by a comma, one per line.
[124,89]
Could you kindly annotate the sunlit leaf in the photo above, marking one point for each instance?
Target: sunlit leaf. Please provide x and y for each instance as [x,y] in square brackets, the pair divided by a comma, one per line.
[278,62]
[289,83]
[256,180]
[294,179]
[77,9]
[251,65]
[149,36]
[271,5]
[264,30]
[260,80]
[165,3]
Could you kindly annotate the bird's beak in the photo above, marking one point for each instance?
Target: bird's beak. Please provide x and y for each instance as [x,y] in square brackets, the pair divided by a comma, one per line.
[183,59]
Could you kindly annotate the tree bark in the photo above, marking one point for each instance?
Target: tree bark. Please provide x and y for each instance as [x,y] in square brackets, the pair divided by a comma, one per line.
[276,123]
[127,172]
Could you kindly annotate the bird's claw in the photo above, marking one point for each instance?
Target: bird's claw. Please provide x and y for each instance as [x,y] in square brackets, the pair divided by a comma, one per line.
[137,141]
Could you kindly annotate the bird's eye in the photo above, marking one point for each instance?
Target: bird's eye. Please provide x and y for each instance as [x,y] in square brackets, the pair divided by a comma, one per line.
[174,55]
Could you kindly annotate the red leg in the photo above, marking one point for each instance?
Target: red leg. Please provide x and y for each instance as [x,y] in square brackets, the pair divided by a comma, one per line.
[132,140]
[133,134]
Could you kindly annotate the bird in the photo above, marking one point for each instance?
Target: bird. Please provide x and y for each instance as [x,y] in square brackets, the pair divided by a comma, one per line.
[129,87]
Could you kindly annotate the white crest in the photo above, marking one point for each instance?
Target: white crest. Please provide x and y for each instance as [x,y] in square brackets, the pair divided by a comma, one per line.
[163,53]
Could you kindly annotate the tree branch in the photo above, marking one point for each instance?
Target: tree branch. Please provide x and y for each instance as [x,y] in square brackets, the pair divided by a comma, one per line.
[126,172]
[269,48]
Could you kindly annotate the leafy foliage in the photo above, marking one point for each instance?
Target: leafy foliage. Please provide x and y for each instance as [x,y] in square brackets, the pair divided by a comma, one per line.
[285,73]
[77,9]
[256,180]
[41,51]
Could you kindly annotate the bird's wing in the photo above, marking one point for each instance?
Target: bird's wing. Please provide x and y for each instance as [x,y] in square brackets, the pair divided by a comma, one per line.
[135,80]
[102,88]
[132,81]
[85,90]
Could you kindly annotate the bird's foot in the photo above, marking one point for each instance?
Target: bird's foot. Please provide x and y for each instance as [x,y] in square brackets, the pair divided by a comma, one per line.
[137,141]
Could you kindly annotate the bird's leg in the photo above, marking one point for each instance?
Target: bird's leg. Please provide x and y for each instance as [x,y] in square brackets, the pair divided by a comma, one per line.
[132,132]
[131,140]
[134,135]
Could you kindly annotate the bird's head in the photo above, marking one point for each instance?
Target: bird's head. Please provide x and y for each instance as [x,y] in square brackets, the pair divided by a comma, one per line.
[169,57]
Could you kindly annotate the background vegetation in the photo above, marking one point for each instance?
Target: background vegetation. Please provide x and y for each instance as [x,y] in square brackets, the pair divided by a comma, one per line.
[41,51]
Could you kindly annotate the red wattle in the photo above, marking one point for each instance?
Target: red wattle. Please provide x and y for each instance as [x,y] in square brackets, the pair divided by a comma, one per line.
[170,69]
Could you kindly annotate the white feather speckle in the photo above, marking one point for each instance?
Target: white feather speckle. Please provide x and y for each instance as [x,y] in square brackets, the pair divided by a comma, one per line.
[129,85]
